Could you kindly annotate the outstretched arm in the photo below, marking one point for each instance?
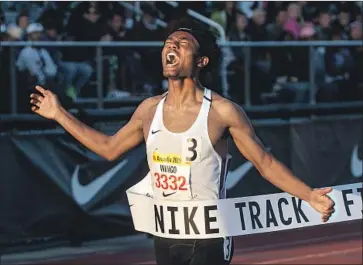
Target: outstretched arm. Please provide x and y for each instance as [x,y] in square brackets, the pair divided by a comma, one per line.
[269,167]
[47,105]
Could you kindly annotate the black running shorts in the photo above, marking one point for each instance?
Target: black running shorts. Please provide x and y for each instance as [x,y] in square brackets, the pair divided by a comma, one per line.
[217,251]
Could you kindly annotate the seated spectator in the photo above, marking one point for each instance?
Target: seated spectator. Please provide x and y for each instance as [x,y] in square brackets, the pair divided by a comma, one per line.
[148,30]
[237,33]
[74,75]
[323,29]
[35,60]
[86,23]
[292,23]
[275,29]
[35,67]
[23,22]
[338,65]
[118,56]
[344,19]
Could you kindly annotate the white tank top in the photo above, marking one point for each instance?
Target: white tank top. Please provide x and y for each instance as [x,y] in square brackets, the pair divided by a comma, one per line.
[185,166]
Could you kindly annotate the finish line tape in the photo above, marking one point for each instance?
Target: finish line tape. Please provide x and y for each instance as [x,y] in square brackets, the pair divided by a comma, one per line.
[234,216]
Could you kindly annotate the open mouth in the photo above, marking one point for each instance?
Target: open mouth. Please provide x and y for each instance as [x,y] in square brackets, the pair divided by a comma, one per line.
[171,59]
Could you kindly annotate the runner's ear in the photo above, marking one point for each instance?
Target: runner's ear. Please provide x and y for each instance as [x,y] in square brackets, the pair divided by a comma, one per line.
[202,61]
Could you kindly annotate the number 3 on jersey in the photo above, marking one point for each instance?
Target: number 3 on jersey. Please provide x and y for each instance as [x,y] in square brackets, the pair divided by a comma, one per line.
[192,149]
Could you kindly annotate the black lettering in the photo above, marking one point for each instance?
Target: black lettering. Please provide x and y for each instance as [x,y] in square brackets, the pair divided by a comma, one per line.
[298,211]
[173,229]
[270,215]
[283,220]
[254,216]
[240,205]
[188,221]
[208,220]
[168,169]
[346,201]
[159,219]
[360,192]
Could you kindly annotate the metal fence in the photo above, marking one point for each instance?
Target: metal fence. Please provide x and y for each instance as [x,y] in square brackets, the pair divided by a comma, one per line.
[100,46]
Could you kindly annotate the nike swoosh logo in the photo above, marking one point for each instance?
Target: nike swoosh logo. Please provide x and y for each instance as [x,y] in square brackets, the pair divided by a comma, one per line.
[85,193]
[356,164]
[239,173]
[169,194]
[153,132]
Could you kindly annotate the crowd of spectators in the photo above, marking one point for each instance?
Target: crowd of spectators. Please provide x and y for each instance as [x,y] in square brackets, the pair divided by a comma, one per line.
[278,74]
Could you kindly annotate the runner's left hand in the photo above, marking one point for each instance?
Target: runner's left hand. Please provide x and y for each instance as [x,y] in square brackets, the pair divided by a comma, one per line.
[322,203]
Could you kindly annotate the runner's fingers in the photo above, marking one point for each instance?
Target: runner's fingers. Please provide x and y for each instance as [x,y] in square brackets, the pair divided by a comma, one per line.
[35,102]
[36,97]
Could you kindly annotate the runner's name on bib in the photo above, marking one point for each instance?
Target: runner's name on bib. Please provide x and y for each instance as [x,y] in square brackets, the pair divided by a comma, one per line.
[236,216]
[171,178]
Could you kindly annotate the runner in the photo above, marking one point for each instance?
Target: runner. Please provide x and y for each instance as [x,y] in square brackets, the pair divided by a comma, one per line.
[190,122]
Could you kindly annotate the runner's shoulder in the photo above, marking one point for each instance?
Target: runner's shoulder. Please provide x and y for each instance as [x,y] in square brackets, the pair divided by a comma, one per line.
[225,107]
[149,104]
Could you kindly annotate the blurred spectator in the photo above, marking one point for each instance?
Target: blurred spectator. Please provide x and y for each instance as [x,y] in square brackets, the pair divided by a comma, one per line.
[323,29]
[35,67]
[224,15]
[23,22]
[13,33]
[247,7]
[86,23]
[292,23]
[148,30]
[357,54]
[237,33]
[338,65]
[74,75]
[36,61]
[275,29]
[117,56]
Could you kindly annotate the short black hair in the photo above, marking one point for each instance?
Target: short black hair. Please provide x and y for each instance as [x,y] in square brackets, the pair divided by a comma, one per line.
[208,45]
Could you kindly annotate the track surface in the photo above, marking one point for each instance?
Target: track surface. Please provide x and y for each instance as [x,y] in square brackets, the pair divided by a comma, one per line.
[327,244]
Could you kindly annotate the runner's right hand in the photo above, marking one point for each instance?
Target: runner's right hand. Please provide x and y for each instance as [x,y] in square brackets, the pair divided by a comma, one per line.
[45,103]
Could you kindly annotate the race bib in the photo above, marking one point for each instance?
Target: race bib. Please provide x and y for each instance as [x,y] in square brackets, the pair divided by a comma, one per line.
[170,179]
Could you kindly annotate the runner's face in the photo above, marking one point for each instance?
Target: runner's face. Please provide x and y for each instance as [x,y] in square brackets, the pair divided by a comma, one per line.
[179,55]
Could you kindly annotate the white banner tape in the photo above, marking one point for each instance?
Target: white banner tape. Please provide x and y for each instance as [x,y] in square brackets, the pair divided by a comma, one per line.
[235,216]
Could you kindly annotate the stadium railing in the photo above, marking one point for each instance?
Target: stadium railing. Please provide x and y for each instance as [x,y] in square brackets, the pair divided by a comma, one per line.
[100,46]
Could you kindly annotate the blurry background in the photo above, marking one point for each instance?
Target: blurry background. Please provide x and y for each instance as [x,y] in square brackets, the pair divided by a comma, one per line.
[256,72]
[295,67]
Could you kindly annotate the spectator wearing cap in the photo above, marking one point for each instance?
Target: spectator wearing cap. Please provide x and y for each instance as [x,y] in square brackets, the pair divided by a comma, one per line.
[13,33]
[36,60]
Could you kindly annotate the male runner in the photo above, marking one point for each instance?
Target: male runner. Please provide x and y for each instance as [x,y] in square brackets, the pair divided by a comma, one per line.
[190,122]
